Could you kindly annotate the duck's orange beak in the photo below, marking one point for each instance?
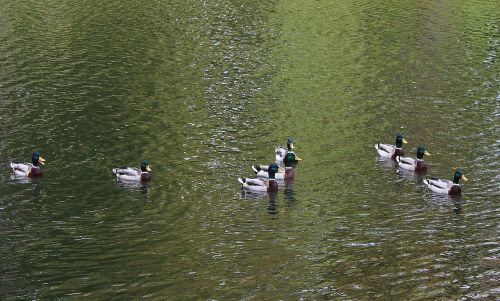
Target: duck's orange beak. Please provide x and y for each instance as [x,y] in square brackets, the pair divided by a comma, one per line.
[148,168]
[297,158]
[41,160]
[426,153]
[464,178]
[404,141]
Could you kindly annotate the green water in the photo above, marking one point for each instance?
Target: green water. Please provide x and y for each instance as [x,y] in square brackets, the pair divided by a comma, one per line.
[203,90]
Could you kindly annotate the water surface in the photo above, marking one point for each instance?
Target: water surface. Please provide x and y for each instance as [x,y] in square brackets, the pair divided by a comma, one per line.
[205,89]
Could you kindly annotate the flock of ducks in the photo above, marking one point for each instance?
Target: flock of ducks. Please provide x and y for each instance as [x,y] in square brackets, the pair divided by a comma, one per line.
[268,175]
[395,152]
[286,161]
[280,170]
[124,173]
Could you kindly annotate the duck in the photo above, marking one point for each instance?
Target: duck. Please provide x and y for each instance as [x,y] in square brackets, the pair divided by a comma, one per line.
[391,151]
[259,184]
[133,174]
[31,170]
[286,173]
[444,186]
[281,152]
[416,164]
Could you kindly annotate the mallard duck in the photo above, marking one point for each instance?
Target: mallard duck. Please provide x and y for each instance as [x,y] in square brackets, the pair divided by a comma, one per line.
[281,152]
[134,174]
[417,164]
[25,169]
[391,151]
[262,185]
[286,173]
[444,186]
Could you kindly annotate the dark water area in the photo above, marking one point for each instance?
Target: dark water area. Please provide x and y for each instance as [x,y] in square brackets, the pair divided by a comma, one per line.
[203,90]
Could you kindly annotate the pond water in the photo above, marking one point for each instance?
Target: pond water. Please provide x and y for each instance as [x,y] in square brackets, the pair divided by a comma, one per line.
[205,89]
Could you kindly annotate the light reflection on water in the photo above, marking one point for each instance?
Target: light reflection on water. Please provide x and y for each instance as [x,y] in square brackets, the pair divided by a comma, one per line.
[203,91]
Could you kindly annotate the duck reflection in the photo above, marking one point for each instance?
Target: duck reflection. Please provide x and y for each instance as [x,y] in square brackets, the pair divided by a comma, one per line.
[131,184]
[419,176]
[272,207]
[36,184]
[142,187]
[385,163]
[456,200]
[25,180]
[457,204]
[288,193]
[36,190]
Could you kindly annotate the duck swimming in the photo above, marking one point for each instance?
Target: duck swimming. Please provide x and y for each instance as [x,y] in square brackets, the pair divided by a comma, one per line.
[391,151]
[286,173]
[281,152]
[446,186]
[25,169]
[417,164]
[262,185]
[134,174]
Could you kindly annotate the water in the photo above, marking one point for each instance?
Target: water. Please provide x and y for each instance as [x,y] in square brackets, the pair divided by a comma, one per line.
[204,90]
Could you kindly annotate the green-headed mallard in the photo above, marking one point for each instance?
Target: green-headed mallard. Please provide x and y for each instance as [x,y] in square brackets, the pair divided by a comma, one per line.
[417,164]
[286,173]
[261,185]
[444,186]
[391,151]
[281,152]
[25,169]
[133,174]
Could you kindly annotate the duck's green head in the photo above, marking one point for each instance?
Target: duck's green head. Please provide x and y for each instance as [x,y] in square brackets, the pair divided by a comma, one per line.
[272,170]
[421,152]
[289,159]
[289,143]
[37,158]
[400,140]
[145,166]
[458,176]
